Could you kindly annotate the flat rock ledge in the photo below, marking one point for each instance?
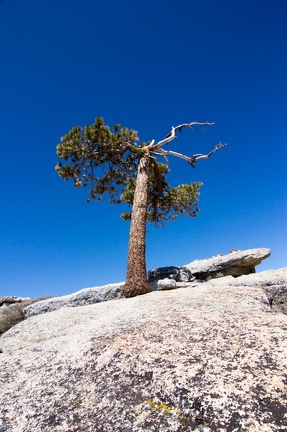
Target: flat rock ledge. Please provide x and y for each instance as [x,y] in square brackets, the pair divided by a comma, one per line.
[236,263]
[211,357]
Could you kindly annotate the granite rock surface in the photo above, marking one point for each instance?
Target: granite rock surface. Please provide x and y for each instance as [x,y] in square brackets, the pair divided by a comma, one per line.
[208,357]
[235,263]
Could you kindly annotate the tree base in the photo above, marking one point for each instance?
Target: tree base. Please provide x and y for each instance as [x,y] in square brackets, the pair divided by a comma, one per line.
[132,289]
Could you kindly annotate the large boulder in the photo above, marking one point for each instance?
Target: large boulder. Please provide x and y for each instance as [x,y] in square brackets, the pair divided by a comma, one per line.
[179,274]
[162,284]
[205,358]
[236,263]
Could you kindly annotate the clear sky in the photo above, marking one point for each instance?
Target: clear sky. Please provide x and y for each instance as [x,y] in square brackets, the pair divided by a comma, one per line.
[148,65]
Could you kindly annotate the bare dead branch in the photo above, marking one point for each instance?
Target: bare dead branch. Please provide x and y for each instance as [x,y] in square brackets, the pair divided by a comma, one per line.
[164,153]
[202,156]
[172,134]
[190,125]
[190,159]
[161,152]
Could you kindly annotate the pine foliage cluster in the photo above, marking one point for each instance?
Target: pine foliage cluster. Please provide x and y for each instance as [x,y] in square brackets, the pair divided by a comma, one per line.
[106,161]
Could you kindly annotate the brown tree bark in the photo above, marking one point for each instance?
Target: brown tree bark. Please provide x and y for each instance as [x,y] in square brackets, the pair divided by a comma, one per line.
[136,278]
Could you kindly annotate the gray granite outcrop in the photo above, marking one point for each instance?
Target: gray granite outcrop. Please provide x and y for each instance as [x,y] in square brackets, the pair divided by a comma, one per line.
[210,357]
[83,297]
[235,263]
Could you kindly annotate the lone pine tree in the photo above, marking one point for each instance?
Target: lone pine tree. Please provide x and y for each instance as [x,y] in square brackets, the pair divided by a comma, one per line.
[114,162]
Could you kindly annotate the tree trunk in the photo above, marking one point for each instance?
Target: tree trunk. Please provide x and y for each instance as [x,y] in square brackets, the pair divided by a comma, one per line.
[136,278]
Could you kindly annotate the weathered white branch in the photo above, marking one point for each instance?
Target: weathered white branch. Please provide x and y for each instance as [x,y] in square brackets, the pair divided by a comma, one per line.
[160,152]
[172,135]
[190,125]
[172,153]
[157,150]
[190,159]
[197,157]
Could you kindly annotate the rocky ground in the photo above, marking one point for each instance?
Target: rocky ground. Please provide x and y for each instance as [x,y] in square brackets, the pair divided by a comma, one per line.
[207,356]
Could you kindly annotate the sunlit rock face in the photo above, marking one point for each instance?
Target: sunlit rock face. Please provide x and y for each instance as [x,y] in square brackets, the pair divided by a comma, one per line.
[207,357]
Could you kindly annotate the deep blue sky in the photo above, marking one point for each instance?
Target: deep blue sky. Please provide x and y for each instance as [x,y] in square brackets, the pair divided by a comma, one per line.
[148,65]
